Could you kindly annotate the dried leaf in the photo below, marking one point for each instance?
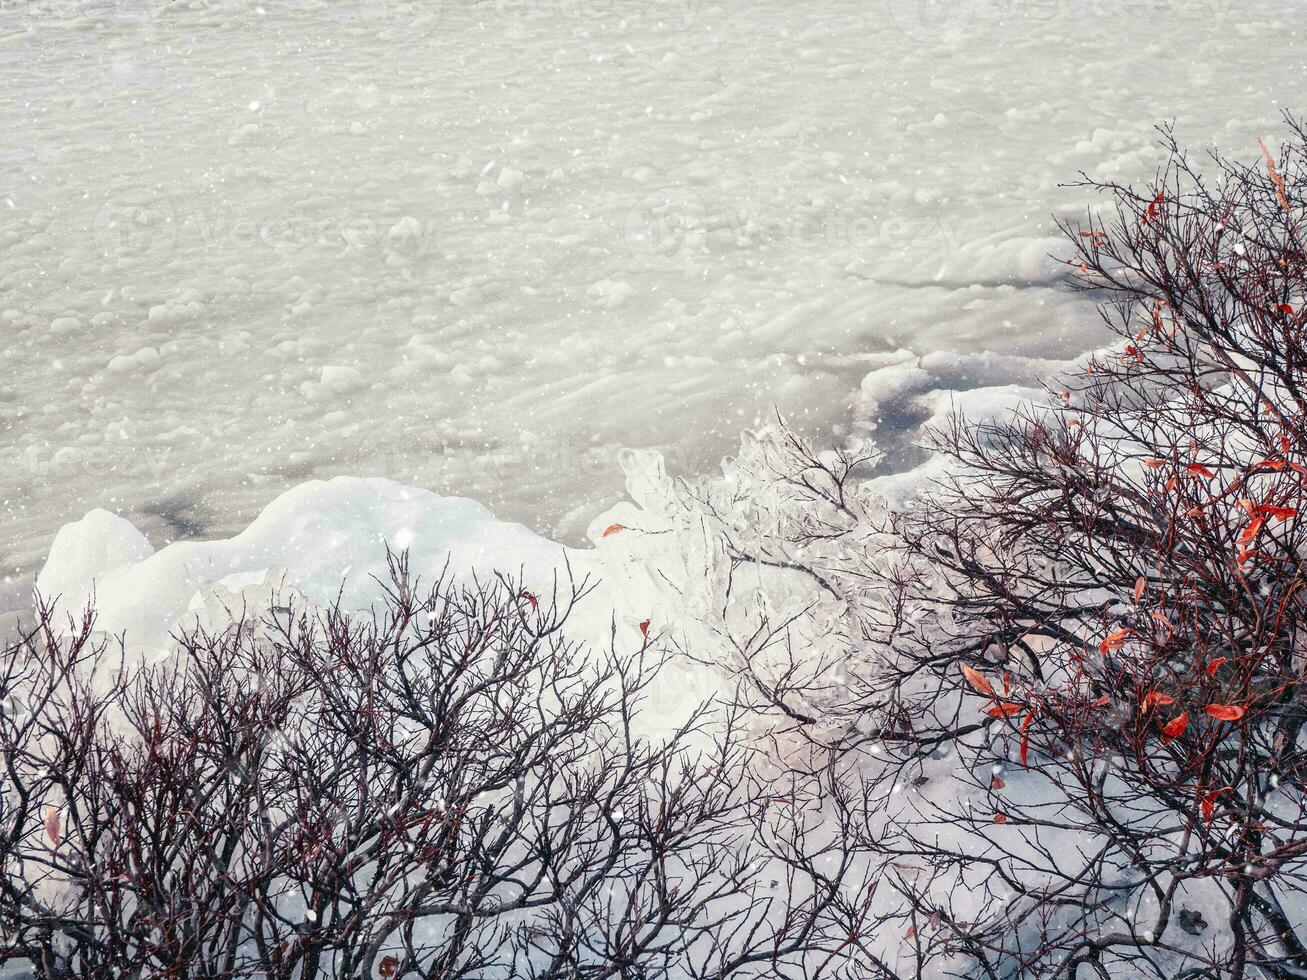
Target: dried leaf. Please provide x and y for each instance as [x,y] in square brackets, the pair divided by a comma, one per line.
[977,680]
[1154,698]
[1175,727]
[1225,712]
[1115,640]
[1005,710]
[612,529]
[1209,802]
[52,825]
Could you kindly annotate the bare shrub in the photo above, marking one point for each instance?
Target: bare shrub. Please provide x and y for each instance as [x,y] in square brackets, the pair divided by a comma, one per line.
[449,788]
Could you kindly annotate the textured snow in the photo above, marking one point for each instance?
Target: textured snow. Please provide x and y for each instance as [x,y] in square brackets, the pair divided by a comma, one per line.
[479,247]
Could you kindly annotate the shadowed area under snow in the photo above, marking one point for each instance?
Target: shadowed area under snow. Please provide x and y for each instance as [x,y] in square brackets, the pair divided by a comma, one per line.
[480,246]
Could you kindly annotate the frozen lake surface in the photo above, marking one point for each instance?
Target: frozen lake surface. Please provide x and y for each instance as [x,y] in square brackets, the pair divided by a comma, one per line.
[478,247]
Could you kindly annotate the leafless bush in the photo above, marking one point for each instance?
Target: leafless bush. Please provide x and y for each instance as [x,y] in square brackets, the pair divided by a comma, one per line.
[1120,587]
[450,788]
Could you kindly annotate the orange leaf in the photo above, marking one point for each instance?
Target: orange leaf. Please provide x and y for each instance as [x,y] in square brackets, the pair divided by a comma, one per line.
[1140,585]
[1114,641]
[1225,712]
[613,529]
[1154,464]
[1175,727]
[977,680]
[1251,531]
[1003,710]
[1279,513]
[1154,698]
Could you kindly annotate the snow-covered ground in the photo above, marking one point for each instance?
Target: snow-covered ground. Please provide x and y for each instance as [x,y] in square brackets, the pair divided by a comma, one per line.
[478,247]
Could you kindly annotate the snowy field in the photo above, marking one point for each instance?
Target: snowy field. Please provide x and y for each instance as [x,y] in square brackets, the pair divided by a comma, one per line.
[479,247]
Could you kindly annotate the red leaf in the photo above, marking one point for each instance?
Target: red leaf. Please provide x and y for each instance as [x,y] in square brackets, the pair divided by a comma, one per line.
[612,529]
[1214,665]
[1025,739]
[1279,513]
[1285,308]
[977,680]
[52,825]
[1155,698]
[535,603]
[1251,531]
[1114,641]
[1269,464]
[1225,712]
[644,628]
[1003,710]
[1197,469]
[1140,585]
[1175,727]
[1209,802]
[1000,818]
[997,783]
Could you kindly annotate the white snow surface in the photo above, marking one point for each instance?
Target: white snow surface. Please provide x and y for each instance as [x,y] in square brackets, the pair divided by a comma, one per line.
[479,246]
[325,539]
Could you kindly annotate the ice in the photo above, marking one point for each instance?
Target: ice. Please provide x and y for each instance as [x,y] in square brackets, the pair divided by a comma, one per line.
[482,247]
[326,539]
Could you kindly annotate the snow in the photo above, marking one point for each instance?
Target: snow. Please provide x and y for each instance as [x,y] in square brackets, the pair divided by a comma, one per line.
[326,539]
[482,247]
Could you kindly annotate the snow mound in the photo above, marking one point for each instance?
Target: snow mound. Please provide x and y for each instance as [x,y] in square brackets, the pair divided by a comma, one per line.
[327,538]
